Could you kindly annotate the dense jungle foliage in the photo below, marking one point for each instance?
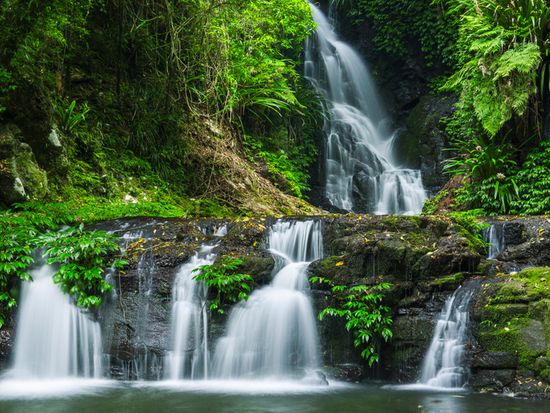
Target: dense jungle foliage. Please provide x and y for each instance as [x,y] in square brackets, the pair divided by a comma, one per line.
[137,90]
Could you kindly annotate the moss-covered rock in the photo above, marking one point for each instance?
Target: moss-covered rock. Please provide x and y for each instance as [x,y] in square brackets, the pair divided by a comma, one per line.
[514,314]
[21,178]
[449,283]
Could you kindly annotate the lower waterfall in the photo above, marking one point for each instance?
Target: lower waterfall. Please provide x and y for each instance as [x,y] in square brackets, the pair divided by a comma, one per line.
[443,364]
[188,358]
[55,340]
[274,333]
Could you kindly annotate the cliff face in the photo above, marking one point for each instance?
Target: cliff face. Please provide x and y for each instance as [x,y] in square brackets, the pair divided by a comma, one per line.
[425,259]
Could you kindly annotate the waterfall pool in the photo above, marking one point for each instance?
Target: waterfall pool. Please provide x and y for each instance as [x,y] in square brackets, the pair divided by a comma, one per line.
[248,396]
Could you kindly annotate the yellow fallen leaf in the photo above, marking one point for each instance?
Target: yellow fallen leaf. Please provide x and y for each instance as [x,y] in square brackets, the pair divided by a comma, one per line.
[339,263]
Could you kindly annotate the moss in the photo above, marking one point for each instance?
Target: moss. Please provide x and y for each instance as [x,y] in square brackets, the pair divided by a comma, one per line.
[431,206]
[450,282]
[510,339]
[536,281]
[500,313]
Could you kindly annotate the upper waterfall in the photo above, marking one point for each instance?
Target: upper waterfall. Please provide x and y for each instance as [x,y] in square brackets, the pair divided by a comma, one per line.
[362,172]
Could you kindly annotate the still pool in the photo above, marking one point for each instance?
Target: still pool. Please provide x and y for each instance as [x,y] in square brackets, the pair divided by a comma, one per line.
[243,397]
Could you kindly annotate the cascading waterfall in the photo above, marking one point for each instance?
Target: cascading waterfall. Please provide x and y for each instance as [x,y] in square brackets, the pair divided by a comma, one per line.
[189,355]
[55,340]
[443,364]
[495,237]
[359,149]
[274,334]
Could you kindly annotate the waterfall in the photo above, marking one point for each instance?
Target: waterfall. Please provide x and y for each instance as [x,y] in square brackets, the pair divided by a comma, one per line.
[274,334]
[54,340]
[360,158]
[189,355]
[443,364]
[495,237]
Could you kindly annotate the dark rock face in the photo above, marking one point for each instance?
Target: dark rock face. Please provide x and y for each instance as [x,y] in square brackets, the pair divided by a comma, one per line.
[7,341]
[423,142]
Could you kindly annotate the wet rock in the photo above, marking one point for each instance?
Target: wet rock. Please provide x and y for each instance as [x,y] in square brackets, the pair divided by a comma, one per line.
[492,380]
[453,254]
[7,341]
[259,267]
[349,372]
[423,142]
[495,360]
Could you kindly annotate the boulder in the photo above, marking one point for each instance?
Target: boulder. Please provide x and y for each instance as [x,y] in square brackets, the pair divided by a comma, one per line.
[21,178]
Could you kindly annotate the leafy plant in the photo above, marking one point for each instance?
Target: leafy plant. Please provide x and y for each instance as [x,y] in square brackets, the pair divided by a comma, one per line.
[83,257]
[18,235]
[280,164]
[228,285]
[486,165]
[361,306]
[533,182]
[70,117]
[502,44]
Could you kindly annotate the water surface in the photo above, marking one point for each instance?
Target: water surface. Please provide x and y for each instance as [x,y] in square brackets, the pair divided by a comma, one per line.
[244,397]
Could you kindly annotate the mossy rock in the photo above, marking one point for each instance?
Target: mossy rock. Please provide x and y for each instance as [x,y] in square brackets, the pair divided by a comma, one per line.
[499,313]
[449,283]
[335,268]
[536,281]
[512,291]
[258,267]
[523,337]
[21,178]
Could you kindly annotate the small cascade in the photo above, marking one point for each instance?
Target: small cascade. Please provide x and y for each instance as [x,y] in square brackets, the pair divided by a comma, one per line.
[188,358]
[54,340]
[274,333]
[494,236]
[362,173]
[443,364]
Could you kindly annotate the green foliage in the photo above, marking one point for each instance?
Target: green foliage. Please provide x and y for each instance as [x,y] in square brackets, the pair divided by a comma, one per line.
[70,117]
[501,45]
[472,230]
[83,257]
[17,233]
[431,205]
[229,286]
[361,306]
[36,39]
[5,87]
[401,25]
[486,165]
[279,163]
[533,181]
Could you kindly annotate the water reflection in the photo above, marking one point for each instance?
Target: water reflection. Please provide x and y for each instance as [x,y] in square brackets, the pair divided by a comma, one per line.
[356,399]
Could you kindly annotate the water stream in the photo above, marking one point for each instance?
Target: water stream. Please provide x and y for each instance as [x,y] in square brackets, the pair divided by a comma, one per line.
[188,358]
[362,172]
[443,365]
[54,340]
[274,333]
[494,236]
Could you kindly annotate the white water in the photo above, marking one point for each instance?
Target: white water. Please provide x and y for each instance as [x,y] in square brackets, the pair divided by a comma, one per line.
[188,358]
[54,340]
[496,240]
[274,333]
[443,365]
[359,144]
